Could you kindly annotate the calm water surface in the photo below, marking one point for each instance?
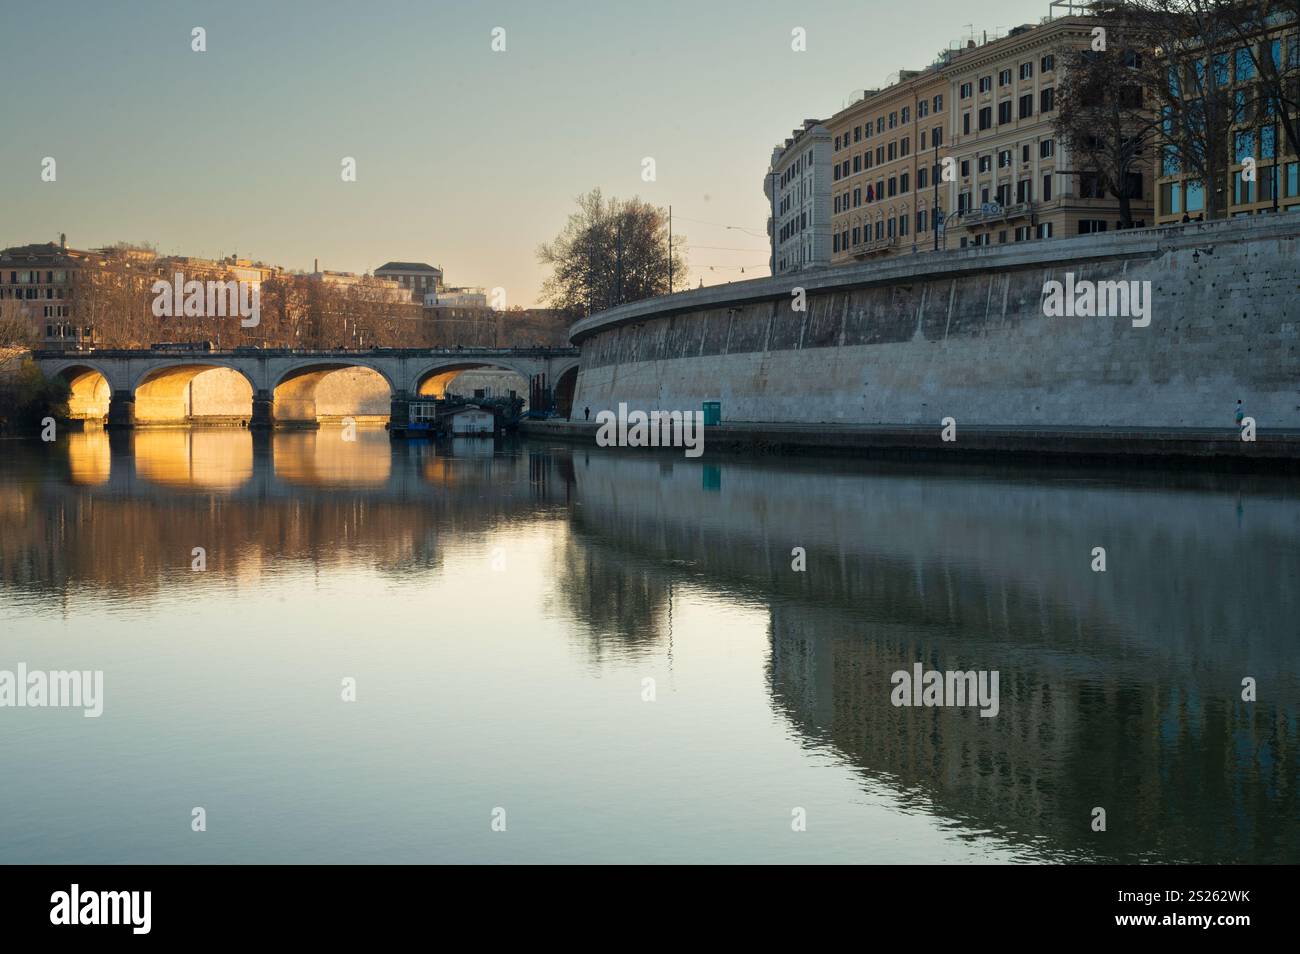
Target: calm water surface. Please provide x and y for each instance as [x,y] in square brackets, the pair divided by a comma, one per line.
[501,609]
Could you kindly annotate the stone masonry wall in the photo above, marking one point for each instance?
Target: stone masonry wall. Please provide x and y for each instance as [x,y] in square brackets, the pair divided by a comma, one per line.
[971,342]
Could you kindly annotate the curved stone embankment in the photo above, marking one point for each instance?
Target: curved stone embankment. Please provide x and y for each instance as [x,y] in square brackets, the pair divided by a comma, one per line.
[913,340]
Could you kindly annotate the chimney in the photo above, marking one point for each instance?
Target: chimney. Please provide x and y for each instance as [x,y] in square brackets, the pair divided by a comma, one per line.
[315,265]
[63,240]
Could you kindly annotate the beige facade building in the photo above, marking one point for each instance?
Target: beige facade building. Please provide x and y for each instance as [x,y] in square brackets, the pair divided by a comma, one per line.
[1012,179]
[883,163]
[38,285]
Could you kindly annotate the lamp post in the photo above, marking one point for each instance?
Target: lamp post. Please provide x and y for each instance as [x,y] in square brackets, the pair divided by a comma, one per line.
[936,211]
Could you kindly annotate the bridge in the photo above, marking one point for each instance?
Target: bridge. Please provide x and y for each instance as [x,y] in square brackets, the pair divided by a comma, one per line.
[283,382]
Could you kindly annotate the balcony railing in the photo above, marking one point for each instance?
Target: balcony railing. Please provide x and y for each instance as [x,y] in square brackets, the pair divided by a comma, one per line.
[994,212]
[870,247]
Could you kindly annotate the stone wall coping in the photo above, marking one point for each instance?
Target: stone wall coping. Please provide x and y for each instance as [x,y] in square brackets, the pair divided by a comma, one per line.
[904,269]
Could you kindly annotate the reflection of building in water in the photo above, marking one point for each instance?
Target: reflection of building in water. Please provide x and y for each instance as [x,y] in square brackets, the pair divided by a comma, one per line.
[134,532]
[1118,690]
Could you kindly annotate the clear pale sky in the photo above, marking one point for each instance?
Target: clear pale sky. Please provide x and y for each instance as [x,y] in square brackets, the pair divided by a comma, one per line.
[466,158]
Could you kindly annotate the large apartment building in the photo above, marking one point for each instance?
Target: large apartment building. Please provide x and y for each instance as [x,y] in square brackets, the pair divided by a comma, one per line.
[798,190]
[1012,179]
[38,285]
[883,155]
[418,278]
[1254,134]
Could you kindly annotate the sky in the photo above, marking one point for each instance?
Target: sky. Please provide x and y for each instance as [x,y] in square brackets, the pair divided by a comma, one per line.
[466,158]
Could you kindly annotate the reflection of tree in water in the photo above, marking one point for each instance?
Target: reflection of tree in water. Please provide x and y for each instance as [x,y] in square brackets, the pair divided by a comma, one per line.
[621,604]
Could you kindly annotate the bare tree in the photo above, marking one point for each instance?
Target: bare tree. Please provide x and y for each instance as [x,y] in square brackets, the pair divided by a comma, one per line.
[610,252]
[1105,120]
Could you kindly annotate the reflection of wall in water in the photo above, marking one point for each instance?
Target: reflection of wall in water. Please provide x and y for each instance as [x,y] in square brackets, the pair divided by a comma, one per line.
[1117,689]
[1163,752]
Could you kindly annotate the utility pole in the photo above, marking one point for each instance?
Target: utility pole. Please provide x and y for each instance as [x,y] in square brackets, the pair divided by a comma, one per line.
[670,249]
[934,212]
[618,265]
[1277,155]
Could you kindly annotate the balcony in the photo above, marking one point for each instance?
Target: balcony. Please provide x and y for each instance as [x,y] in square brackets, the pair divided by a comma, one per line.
[994,212]
[873,247]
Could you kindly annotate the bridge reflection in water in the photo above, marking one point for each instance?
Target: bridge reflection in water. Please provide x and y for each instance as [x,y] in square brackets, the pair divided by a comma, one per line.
[1119,690]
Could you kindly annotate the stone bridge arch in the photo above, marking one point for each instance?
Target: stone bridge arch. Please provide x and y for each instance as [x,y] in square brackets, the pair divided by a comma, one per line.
[432,377]
[90,385]
[163,392]
[295,389]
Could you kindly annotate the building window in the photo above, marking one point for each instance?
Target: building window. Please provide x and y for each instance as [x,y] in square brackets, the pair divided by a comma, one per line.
[1245,65]
[1091,226]
[1195,195]
[905,115]
[1046,149]
[984,163]
[921,225]
[1026,106]
[986,118]
[965,124]
[938,103]
[1025,190]
[1027,70]
[1243,191]
[893,151]
[902,225]
[922,177]
[893,186]
[1046,101]
[936,137]
[893,120]
[965,168]
[1004,78]
[1044,230]
[1004,113]
[923,109]
[923,135]
[905,147]
[1047,63]
[986,84]
[1004,158]
[903,182]
[1245,145]
[1024,153]
[1047,187]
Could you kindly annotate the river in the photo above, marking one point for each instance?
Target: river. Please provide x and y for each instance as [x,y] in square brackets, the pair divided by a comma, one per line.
[527,651]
